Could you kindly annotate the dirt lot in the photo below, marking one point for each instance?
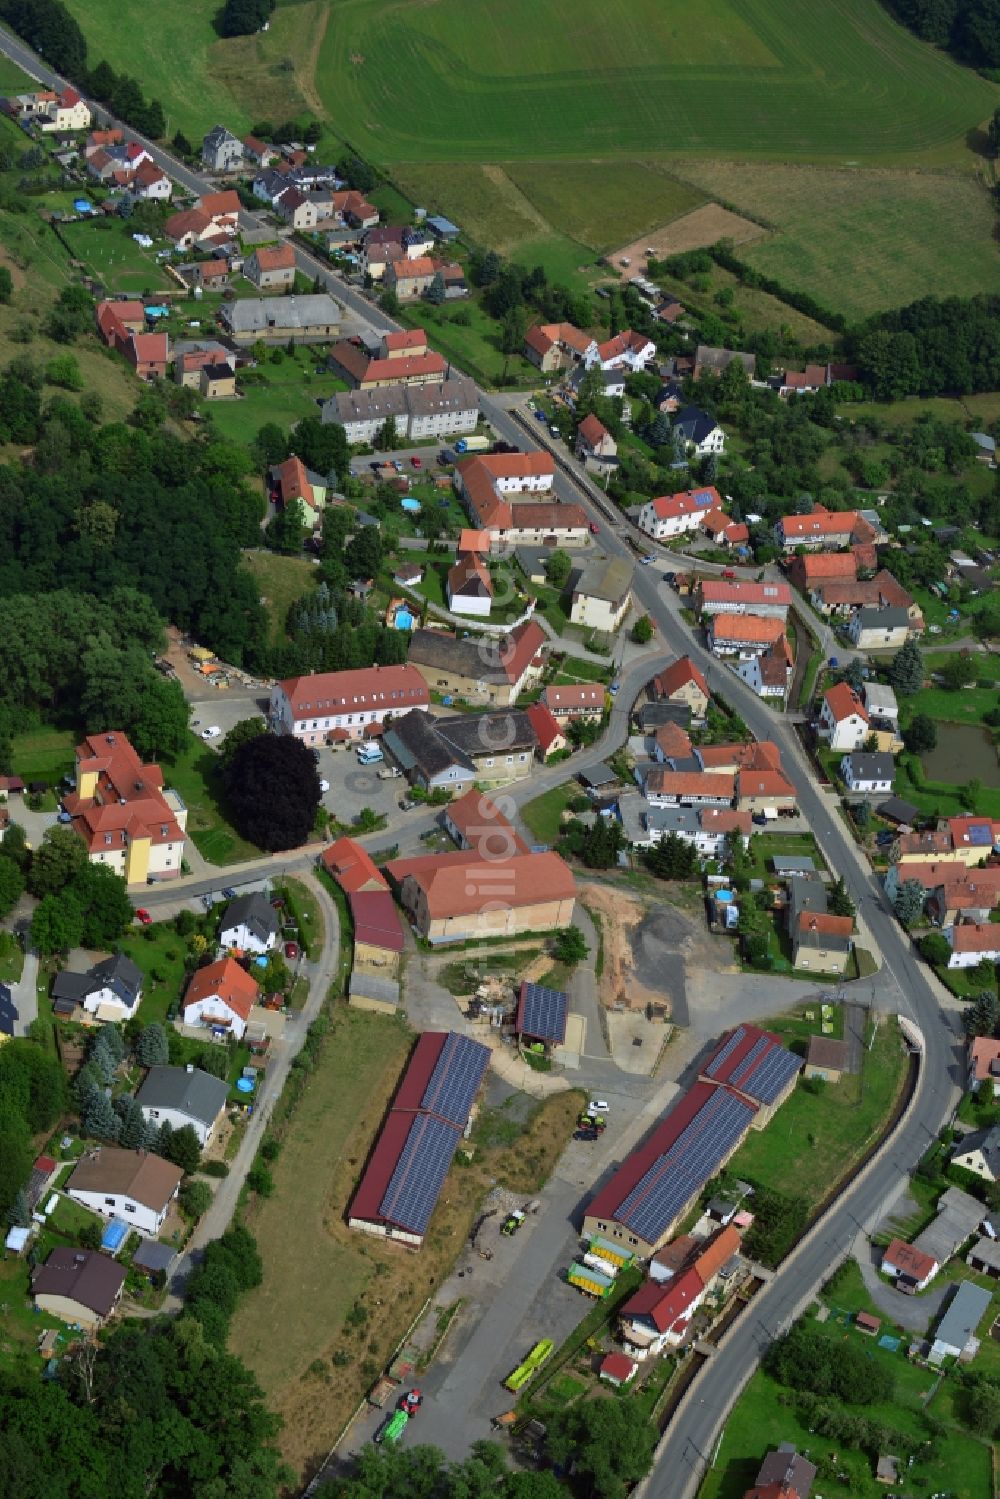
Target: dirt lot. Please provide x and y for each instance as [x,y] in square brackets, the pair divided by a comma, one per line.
[620,915]
[702,226]
[649,943]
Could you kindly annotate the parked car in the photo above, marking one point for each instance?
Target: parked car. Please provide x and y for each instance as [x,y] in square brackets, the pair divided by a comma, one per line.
[229,893]
[614,687]
[595,529]
[291,950]
[397,465]
[324,785]
[212,732]
[597,1106]
[416,462]
[407,804]
[143,916]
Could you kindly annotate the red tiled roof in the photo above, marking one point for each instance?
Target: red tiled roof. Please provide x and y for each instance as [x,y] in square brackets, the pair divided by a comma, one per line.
[714,591]
[686,502]
[546,515]
[469,576]
[984,1054]
[520,648]
[818,523]
[376,921]
[409,338]
[826,565]
[418,268]
[690,783]
[543,336]
[276,257]
[720,1248]
[975,937]
[673,741]
[911,1261]
[478,819]
[220,205]
[677,675]
[392,688]
[547,730]
[227,981]
[463,884]
[931,874]
[618,1366]
[473,541]
[844,703]
[824,924]
[664,1303]
[747,629]
[960,829]
[352,866]
[592,430]
[568,699]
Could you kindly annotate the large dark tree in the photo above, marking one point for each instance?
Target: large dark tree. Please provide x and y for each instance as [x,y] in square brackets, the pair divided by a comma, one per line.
[272,791]
[244,17]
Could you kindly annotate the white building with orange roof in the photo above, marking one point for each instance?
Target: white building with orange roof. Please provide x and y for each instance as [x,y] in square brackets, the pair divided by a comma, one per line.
[220,996]
[121,810]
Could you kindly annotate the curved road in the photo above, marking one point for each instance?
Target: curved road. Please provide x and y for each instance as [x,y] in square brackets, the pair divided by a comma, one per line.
[685,1452]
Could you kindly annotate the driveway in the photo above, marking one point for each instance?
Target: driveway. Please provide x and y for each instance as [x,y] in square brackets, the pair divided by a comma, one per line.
[25,994]
[915,1313]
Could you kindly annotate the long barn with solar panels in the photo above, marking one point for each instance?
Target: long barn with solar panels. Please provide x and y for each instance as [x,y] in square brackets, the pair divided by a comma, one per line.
[429,1115]
[756,1066]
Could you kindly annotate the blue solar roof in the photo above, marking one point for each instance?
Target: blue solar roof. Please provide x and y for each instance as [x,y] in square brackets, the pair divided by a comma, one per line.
[771,1074]
[735,1040]
[420,1172]
[677,1176]
[980,834]
[761,1074]
[543,1013]
[455,1080]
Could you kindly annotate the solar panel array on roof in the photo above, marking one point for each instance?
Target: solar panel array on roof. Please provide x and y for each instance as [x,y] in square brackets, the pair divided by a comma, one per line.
[980,834]
[771,1074]
[735,1040]
[674,1178]
[420,1172]
[455,1080]
[543,1013]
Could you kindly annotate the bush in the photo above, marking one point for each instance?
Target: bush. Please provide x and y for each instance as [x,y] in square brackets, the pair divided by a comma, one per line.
[215,1168]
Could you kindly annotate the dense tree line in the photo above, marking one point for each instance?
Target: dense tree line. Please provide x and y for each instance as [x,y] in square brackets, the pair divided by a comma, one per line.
[119,507]
[811,1361]
[158,1411]
[968,28]
[32,1096]
[932,347]
[124,97]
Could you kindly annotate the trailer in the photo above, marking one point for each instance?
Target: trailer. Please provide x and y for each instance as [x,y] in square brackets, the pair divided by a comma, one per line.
[594,1262]
[614,1253]
[391,1430]
[591,1282]
[536,1358]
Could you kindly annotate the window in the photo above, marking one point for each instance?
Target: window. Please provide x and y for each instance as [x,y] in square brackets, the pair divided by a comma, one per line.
[632,1239]
[109,1202]
[488,763]
[154,1113]
[130,1207]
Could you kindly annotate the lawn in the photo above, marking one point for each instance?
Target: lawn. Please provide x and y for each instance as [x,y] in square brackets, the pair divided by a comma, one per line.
[602,204]
[815,1140]
[12,80]
[543,816]
[764,847]
[303,907]
[161,958]
[193,775]
[107,249]
[292,388]
[856,240]
[473,345]
[20,1325]
[281,581]
[44,754]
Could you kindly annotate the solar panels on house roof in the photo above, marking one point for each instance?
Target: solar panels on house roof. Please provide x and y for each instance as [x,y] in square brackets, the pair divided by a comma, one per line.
[454,1083]
[980,834]
[754,1062]
[423,1164]
[675,1177]
[541,1013]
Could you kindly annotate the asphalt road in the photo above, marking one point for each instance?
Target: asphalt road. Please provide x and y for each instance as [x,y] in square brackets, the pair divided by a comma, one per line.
[686,1449]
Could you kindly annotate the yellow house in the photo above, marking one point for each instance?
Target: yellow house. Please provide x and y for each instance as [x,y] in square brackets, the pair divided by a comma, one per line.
[123,813]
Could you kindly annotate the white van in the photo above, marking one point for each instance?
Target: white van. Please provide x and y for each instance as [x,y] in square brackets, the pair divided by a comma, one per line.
[370,754]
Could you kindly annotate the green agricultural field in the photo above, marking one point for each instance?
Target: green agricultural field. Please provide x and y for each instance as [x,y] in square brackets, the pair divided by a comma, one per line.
[577,77]
[861,240]
[604,203]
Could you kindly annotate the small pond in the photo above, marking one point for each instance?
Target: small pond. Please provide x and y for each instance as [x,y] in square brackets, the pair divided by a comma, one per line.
[963,753]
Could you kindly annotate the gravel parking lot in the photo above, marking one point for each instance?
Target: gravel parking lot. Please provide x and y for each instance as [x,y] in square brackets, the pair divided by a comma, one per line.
[225,710]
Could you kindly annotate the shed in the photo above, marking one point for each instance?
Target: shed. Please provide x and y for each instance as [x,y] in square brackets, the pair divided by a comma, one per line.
[868,1324]
[617,1369]
[152,1256]
[826,1058]
[787,864]
[17,1239]
[894,809]
[598,777]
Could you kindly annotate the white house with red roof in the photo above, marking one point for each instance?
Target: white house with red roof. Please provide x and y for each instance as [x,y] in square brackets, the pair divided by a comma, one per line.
[973,943]
[340,705]
[220,996]
[548,732]
[625,350]
[594,443]
[578,701]
[150,183]
[66,111]
[843,718]
[670,515]
[292,482]
[682,682]
[123,813]
[984,1065]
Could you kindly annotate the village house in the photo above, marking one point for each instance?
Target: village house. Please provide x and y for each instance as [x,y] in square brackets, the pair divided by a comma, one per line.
[480,671]
[682,682]
[221,997]
[271,267]
[843,718]
[468,587]
[723,532]
[291,483]
[249,924]
[879,629]
[768,674]
[308,319]
[353,209]
[336,706]
[150,184]
[784,1474]
[658,1315]
[442,408]
[78,1286]
[555,346]
[584,701]
[221,151]
[182,1096]
[980,1152]
[701,433]
[547,730]
[491,749]
[818,529]
[679,788]
[410,279]
[677,514]
[460,897]
[602,595]
[123,813]
[973,943]
[826,1058]
[744,635]
[765,791]
[867,773]
[217,381]
[297,209]
[475,821]
[965,895]
[258,153]
[626,350]
[595,446]
[719,596]
[133,1185]
[110,990]
[401,360]
[709,361]
[822,942]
